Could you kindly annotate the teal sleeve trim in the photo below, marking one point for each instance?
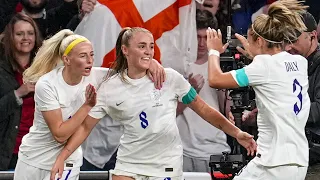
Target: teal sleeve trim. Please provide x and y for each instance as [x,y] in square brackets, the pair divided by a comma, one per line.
[189,97]
[242,78]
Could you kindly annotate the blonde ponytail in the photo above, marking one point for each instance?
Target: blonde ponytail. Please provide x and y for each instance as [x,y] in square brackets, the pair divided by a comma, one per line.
[282,23]
[49,55]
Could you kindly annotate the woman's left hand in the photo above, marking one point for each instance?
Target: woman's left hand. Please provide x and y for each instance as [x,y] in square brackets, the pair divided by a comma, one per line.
[214,40]
[247,141]
[156,73]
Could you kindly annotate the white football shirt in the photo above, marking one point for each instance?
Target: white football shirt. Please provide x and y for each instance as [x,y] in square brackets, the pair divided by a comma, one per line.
[151,144]
[280,82]
[39,148]
[103,141]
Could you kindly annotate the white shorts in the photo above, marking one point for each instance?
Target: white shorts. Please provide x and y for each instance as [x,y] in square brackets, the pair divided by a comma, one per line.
[141,177]
[254,171]
[25,171]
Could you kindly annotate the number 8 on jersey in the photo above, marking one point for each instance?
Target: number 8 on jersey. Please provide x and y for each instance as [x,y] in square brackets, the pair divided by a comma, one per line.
[143,119]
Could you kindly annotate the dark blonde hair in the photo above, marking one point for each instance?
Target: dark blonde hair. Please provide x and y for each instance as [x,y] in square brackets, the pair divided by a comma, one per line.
[121,64]
[283,23]
[7,40]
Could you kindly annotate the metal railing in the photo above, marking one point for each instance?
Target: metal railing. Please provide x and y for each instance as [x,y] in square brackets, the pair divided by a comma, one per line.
[104,175]
[84,175]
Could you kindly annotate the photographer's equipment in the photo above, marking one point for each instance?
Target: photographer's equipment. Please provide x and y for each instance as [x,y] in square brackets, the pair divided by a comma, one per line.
[229,164]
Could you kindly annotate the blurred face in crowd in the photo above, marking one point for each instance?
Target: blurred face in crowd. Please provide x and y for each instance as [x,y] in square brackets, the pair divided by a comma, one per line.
[80,59]
[140,51]
[303,45]
[34,6]
[23,37]
[209,5]
[202,43]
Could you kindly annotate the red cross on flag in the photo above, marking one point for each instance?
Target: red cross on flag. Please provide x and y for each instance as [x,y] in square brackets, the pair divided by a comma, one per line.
[172,23]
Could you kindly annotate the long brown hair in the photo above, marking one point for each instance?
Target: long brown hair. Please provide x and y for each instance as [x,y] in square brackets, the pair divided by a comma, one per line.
[7,40]
[282,23]
[121,64]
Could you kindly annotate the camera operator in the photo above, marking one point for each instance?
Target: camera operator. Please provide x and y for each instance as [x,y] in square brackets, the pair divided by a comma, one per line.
[307,46]
[280,81]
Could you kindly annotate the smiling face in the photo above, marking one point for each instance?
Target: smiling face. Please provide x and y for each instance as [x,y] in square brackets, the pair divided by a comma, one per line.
[23,37]
[140,51]
[80,59]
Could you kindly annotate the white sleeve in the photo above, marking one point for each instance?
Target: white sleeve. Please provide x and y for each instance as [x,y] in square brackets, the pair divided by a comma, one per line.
[179,84]
[100,109]
[45,97]
[254,74]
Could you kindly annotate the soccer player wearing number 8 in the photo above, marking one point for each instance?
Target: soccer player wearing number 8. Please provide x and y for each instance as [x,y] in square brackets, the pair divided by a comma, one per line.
[280,81]
[150,147]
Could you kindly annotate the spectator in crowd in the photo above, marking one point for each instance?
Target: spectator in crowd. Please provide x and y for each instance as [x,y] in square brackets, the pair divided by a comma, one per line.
[19,43]
[85,6]
[219,10]
[280,81]
[209,5]
[307,46]
[51,4]
[49,21]
[199,139]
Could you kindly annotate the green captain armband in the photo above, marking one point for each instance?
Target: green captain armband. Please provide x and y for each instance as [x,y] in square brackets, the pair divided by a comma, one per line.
[189,97]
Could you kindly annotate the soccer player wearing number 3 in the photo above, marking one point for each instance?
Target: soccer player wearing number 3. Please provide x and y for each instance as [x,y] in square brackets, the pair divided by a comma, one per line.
[280,81]
[150,147]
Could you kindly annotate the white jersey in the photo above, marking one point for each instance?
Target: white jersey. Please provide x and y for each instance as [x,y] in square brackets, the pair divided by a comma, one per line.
[280,82]
[38,147]
[102,142]
[151,144]
[200,139]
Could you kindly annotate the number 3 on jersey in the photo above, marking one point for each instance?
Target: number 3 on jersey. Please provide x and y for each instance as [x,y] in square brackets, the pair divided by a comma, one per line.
[297,91]
[143,118]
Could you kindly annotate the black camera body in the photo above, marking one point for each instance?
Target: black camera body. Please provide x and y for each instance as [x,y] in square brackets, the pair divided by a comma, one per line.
[227,164]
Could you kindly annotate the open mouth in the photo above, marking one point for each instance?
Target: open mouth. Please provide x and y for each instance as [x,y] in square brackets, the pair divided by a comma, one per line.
[88,68]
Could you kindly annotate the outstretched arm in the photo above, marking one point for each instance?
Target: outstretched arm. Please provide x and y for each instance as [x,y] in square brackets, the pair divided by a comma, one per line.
[215,118]
[73,143]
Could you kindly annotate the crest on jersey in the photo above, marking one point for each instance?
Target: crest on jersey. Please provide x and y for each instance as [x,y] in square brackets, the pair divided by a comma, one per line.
[155,96]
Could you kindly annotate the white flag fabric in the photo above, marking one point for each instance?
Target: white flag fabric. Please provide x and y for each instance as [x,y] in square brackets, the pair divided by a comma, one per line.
[172,23]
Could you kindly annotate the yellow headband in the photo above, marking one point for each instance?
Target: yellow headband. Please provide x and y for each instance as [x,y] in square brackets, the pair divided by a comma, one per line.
[72,44]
